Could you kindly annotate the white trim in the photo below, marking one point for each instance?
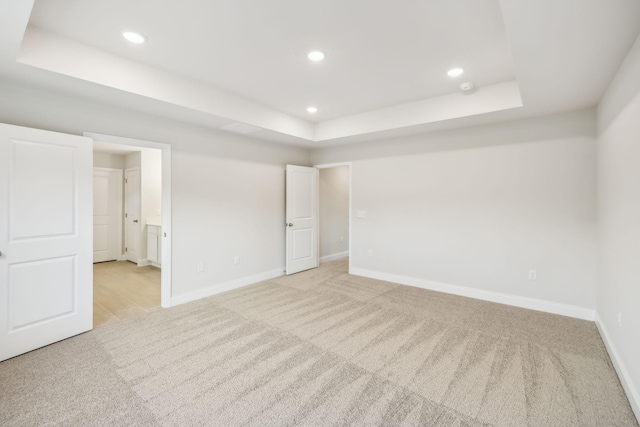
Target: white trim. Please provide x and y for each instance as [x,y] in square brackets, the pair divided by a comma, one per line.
[514,300]
[332,165]
[226,286]
[165,273]
[333,257]
[625,379]
[350,165]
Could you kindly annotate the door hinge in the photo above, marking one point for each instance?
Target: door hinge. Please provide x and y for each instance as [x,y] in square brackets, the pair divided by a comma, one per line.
[126,215]
[126,181]
[126,249]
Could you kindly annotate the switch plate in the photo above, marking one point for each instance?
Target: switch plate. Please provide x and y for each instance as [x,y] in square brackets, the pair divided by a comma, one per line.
[361,214]
[620,319]
[533,275]
[370,253]
[200,267]
[236,259]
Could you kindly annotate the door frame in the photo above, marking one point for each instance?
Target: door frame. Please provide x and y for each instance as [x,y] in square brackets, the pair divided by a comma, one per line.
[165,271]
[120,207]
[350,165]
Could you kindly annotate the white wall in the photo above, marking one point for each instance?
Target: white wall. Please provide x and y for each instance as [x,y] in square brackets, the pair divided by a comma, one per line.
[108,160]
[334,211]
[227,190]
[479,207]
[150,191]
[133,160]
[618,290]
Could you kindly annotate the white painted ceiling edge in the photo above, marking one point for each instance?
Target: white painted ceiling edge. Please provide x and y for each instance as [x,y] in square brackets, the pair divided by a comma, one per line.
[44,50]
[556,71]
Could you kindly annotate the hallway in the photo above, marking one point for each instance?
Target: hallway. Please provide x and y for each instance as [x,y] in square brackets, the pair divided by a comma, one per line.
[122,290]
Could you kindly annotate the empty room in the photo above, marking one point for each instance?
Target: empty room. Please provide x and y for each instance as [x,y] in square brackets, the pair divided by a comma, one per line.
[410,213]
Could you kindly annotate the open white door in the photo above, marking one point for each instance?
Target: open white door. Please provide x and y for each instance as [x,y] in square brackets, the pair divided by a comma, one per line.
[132,214]
[46,282]
[302,197]
[107,214]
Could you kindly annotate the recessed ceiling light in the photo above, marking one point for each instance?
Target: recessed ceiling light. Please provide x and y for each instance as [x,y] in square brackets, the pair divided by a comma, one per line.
[315,55]
[455,72]
[134,37]
[312,110]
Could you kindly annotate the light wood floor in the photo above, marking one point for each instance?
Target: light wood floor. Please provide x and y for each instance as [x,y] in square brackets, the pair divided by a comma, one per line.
[122,290]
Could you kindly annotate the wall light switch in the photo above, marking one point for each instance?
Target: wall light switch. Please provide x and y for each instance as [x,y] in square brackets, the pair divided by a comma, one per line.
[361,214]
[620,319]
[236,259]
[200,267]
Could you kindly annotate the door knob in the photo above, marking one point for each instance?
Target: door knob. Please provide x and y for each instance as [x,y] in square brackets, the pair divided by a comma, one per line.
[289,225]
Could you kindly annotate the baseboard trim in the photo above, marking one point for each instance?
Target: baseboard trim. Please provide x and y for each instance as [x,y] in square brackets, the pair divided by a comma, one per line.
[224,287]
[334,257]
[514,300]
[627,384]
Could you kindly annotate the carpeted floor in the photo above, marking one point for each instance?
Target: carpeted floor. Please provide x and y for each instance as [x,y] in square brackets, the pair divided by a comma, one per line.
[322,348]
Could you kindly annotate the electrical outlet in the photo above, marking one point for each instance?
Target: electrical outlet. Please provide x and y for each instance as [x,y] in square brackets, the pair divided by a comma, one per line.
[620,319]
[236,259]
[370,252]
[533,275]
[200,267]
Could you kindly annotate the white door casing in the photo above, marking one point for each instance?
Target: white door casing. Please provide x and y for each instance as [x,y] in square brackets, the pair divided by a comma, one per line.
[107,214]
[166,238]
[132,214]
[301,223]
[46,282]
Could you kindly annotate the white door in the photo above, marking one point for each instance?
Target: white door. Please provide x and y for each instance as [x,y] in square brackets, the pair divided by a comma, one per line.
[46,282]
[302,197]
[107,214]
[132,214]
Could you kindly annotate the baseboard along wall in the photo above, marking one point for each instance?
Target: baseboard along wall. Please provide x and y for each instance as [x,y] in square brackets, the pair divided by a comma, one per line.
[514,300]
[225,286]
[625,379]
[334,257]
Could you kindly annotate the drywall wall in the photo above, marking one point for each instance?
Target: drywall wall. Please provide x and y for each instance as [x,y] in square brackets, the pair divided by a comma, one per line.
[150,192]
[618,292]
[108,160]
[133,160]
[480,207]
[334,211]
[227,190]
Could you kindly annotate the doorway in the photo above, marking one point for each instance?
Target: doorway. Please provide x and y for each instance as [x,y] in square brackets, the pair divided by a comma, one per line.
[335,212]
[162,220]
[128,281]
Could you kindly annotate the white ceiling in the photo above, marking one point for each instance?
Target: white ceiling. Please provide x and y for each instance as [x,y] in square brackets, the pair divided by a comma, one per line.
[219,62]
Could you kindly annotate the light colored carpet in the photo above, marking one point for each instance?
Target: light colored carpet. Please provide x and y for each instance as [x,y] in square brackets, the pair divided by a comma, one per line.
[322,348]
